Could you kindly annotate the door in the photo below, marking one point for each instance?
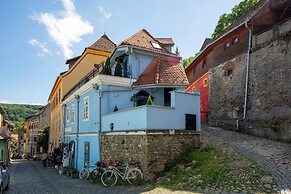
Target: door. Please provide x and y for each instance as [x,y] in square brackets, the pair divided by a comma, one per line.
[190,122]
[86,153]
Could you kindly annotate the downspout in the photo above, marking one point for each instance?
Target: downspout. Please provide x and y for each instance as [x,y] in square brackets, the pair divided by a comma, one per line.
[78,126]
[247,75]
[64,122]
[96,87]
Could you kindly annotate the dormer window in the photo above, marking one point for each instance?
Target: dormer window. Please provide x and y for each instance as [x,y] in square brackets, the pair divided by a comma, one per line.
[156,45]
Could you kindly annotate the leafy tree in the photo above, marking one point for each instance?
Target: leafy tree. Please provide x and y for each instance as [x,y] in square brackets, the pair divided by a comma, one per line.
[43,139]
[226,20]
[107,68]
[187,61]
[118,70]
[150,101]
[16,113]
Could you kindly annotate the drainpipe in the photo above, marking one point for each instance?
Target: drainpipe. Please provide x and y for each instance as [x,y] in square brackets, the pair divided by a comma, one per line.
[247,75]
[96,87]
[64,122]
[78,126]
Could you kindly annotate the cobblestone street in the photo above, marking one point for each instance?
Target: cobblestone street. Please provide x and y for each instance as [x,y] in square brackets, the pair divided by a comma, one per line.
[272,155]
[30,177]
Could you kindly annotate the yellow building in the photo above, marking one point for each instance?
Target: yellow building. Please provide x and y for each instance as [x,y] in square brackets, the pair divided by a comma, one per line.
[55,100]
[78,68]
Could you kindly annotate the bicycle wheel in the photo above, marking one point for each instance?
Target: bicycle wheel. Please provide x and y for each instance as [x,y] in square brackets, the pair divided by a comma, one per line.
[96,174]
[84,174]
[109,178]
[134,176]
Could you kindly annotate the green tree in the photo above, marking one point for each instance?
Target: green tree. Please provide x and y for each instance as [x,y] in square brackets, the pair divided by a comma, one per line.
[115,108]
[118,70]
[107,68]
[225,20]
[187,61]
[150,101]
[43,139]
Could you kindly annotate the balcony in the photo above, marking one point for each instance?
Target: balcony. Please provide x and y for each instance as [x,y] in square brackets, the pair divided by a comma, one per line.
[156,117]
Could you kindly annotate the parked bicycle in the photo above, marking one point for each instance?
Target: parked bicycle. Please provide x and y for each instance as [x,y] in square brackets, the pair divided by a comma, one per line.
[124,171]
[94,172]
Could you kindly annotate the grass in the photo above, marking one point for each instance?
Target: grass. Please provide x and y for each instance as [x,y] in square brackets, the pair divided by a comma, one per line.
[214,167]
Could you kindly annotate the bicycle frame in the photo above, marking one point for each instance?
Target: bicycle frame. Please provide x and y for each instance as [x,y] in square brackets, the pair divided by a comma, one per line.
[120,173]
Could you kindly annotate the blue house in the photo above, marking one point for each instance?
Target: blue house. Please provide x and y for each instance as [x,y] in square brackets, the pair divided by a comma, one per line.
[141,66]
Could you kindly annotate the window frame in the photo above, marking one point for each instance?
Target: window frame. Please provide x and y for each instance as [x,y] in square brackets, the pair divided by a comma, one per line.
[86,116]
[73,110]
[235,37]
[68,115]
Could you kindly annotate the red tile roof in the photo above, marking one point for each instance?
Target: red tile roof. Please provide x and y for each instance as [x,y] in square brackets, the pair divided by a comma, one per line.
[143,39]
[166,41]
[163,71]
[103,44]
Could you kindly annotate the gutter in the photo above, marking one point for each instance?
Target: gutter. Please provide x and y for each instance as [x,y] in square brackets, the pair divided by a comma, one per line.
[247,76]
[97,88]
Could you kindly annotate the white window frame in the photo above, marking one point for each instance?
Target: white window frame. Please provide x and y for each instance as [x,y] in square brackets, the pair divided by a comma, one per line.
[86,114]
[68,115]
[73,114]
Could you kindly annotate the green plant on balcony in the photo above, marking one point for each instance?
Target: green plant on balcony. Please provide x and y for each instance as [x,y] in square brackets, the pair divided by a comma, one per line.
[107,68]
[115,108]
[118,70]
[150,101]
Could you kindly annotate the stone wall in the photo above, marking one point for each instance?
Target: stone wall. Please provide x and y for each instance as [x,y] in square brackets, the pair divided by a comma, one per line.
[269,91]
[151,148]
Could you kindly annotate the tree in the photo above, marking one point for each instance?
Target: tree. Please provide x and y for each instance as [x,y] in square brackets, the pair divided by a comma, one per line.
[150,101]
[187,61]
[107,67]
[43,139]
[225,20]
[115,108]
[118,70]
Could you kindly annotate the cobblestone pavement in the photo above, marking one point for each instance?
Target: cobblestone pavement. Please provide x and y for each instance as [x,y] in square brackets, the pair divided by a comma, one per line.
[272,155]
[30,177]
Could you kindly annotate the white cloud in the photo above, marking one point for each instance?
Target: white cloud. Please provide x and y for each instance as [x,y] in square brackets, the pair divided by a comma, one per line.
[11,102]
[105,13]
[66,28]
[44,51]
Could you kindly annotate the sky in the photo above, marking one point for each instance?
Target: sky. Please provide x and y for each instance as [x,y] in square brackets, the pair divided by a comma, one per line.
[38,36]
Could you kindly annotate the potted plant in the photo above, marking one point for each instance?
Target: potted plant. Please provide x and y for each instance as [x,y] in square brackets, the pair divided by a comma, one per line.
[74,173]
[69,171]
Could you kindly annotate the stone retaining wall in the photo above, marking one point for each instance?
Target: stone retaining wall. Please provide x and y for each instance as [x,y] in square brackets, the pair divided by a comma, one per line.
[151,148]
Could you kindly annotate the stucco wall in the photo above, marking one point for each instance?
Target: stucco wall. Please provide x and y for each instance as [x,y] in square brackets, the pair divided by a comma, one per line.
[81,69]
[151,149]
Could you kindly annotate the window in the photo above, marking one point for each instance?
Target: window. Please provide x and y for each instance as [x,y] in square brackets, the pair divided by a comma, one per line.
[203,63]
[156,45]
[73,114]
[68,115]
[86,108]
[235,40]
[205,83]
[227,44]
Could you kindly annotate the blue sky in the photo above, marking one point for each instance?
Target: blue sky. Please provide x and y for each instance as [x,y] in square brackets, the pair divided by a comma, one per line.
[38,36]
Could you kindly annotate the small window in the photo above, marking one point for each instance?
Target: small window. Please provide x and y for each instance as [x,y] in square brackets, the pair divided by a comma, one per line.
[228,72]
[205,83]
[235,40]
[156,45]
[227,44]
[73,113]
[203,63]
[68,115]
[86,108]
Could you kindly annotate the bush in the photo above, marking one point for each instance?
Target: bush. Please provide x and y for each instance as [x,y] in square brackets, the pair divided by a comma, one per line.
[150,101]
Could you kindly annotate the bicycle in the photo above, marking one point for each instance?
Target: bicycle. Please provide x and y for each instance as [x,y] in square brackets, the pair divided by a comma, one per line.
[131,175]
[93,173]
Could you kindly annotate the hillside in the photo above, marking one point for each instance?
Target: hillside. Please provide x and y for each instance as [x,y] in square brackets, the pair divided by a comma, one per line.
[16,113]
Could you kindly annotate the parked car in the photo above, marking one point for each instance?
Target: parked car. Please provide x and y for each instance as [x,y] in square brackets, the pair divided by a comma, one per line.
[4,179]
